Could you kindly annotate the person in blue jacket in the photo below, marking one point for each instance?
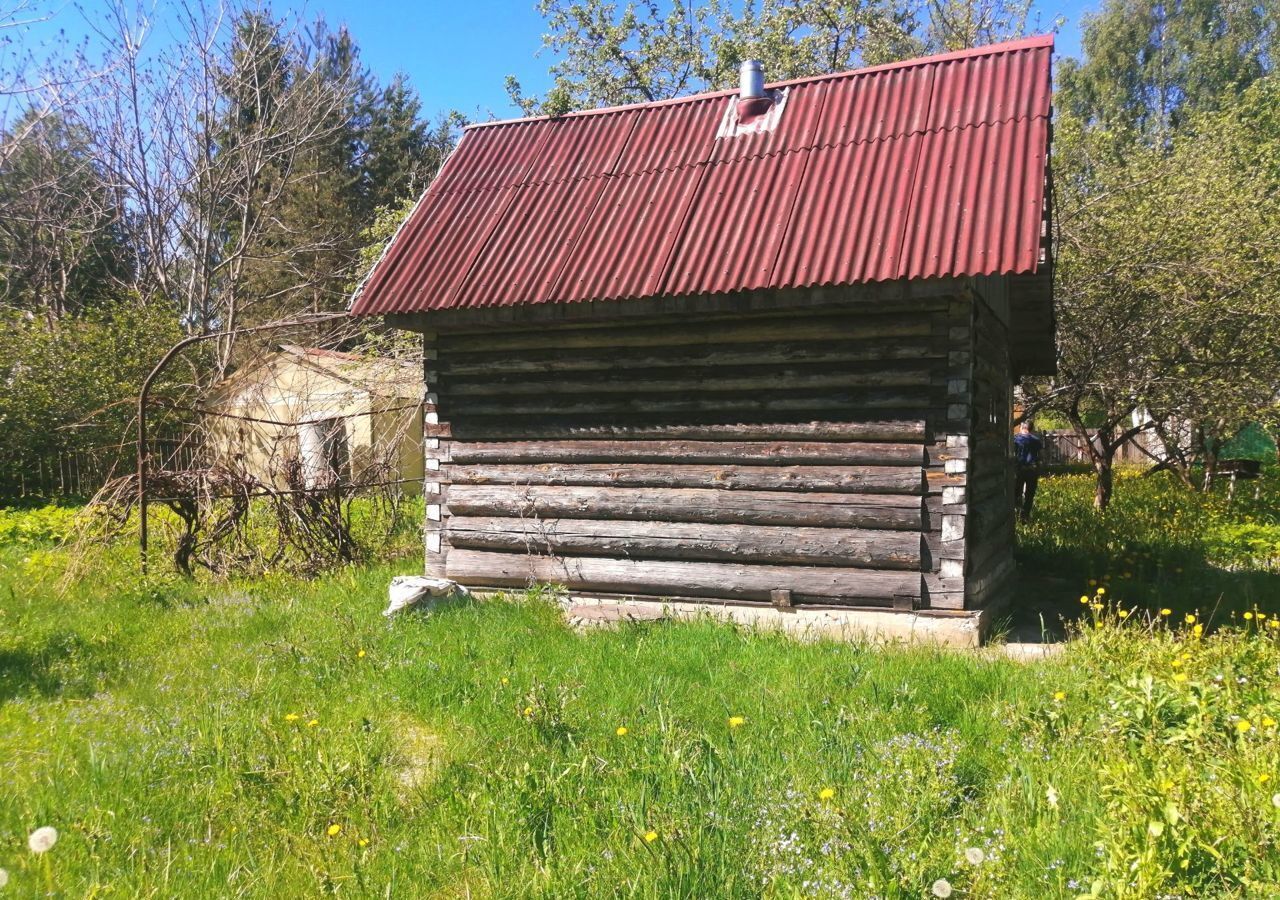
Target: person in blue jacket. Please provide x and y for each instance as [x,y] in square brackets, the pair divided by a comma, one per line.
[1026,455]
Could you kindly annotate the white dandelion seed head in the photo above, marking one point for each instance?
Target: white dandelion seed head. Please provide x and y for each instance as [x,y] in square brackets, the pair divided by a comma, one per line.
[4,877]
[974,856]
[942,888]
[43,839]
[1051,796]
[1275,800]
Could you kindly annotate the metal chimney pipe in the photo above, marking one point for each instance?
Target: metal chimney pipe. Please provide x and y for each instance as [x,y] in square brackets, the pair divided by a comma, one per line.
[751,80]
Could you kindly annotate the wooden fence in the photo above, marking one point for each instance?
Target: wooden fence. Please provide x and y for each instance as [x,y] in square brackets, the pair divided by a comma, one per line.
[1066,448]
[80,473]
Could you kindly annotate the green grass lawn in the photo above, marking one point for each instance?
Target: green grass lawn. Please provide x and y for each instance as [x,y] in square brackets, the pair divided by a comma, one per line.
[279,738]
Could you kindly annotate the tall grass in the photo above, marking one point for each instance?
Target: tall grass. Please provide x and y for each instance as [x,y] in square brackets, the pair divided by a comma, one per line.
[279,738]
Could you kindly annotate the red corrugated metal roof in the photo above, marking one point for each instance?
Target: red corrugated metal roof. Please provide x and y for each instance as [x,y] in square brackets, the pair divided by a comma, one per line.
[932,167]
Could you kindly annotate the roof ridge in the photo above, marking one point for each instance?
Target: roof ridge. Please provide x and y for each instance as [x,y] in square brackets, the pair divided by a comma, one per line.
[1028,43]
[806,147]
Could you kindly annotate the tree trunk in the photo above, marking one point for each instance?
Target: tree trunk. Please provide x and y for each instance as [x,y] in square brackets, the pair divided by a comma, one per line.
[1102,464]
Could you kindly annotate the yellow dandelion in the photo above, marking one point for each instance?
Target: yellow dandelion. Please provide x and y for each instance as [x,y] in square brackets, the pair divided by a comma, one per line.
[1268,722]
[363,842]
[620,730]
[1243,725]
[1261,616]
[1190,618]
[1059,696]
[360,655]
[1123,613]
[313,723]
[1097,624]
[1262,778]
[528,710]
[1084,599]
[826,793]
[1248,616]
[292,717]
[737,721]
[1166,612]
[1273,623]
[650,837]
[1166,786]
[506,681]
[334,830]
[1197,629]
[1180,677]
[1101,591]
[1176,661]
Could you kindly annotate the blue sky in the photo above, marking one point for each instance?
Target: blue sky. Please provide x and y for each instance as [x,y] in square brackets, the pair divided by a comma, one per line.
[458,52]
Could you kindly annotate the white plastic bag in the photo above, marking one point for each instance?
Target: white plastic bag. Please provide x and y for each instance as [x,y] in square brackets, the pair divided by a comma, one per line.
[410,590]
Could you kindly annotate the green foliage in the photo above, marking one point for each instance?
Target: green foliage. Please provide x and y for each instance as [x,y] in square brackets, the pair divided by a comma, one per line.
[1159,544]
[299,745]
[42,526]
[609,53]
[70,386]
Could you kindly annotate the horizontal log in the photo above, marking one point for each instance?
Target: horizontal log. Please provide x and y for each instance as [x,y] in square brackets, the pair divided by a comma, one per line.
[764,378]
[733,581]
[839,479]
[841,327]
[868,399]
[881,511]
[770,352]
[550,429]
[678,451]
[686,540]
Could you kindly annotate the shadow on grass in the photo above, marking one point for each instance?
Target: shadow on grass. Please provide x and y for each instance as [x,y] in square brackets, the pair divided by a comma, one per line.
[63,665]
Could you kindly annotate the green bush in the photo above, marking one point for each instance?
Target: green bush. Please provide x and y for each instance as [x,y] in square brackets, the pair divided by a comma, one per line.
[40,527]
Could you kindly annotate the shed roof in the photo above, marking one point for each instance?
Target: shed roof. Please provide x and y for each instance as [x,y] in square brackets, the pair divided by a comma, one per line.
[927,168]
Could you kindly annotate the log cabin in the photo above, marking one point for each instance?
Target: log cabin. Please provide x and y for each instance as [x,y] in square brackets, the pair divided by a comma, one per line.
[750,350]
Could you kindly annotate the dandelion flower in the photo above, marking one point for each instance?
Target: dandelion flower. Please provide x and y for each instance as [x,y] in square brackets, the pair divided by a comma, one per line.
[1175,662]
[1243,725]
[43,839]
[1180,677]
[1275,800]
[1263,778]
[360,655]
[292,717]
[650,837]
[363,842]
[1101,591]
[334,830]
[1084,599]
[1268,722]
[4,877]
[621,730]
[506,680]
[1123,613]
[737,721]
[313,723]
[1190,618]
[1248,616]
[942,888]
[974,856]
[826,793]
[1273,623]
[1059,696]
[1051,797]
[528,710]
[1197,629]
[1166,612]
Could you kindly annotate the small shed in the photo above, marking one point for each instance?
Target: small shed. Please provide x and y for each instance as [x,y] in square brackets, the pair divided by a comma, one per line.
[749,349]
[310,417]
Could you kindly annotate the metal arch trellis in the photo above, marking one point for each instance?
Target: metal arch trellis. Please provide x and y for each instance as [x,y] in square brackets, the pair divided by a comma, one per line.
[145,390]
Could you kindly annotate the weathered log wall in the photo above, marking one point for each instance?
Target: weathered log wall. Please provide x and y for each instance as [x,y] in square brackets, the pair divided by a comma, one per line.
[990,563]
[815,455]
